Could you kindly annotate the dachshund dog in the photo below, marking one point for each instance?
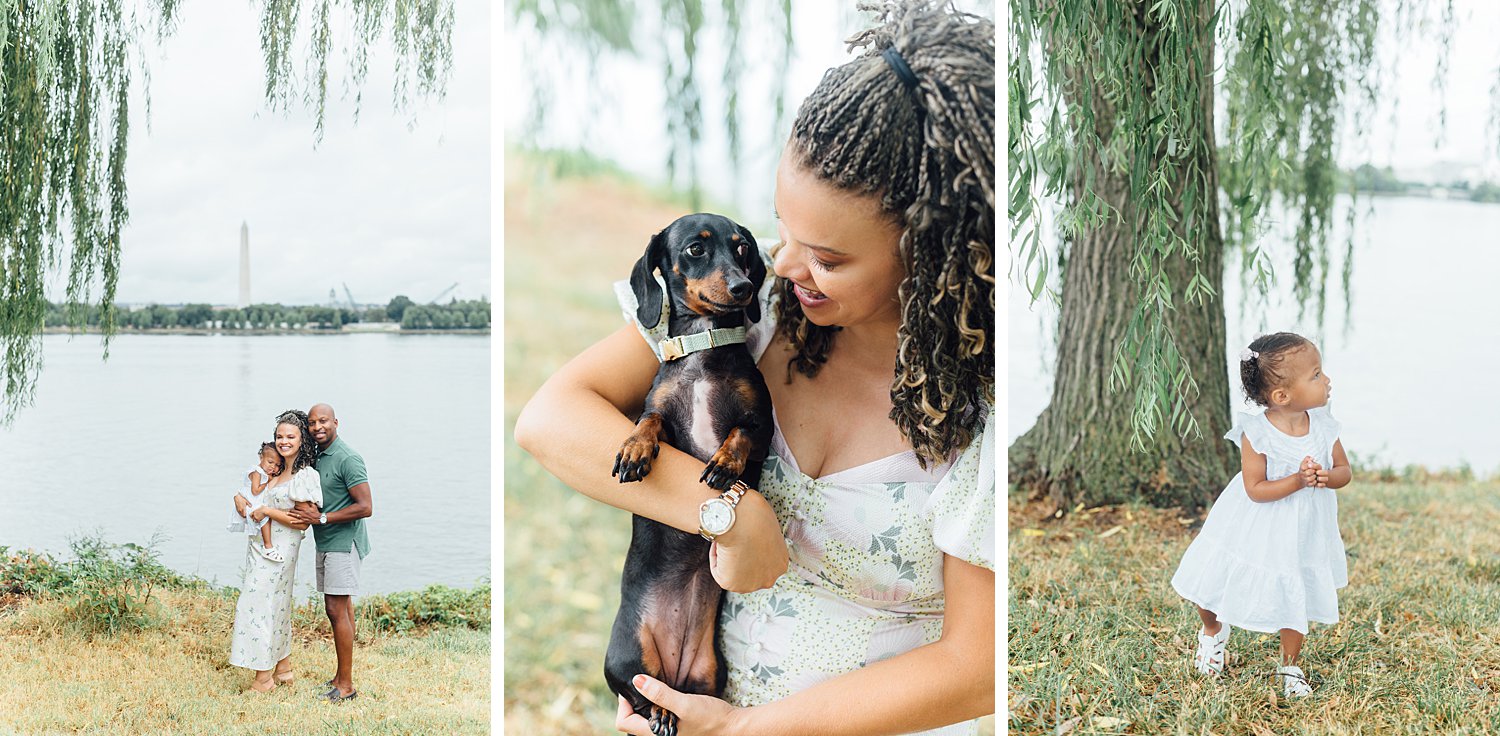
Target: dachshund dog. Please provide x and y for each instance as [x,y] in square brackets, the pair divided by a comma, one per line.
[712,404]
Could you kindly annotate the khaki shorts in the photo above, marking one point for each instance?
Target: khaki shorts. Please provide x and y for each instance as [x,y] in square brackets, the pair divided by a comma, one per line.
[338,573]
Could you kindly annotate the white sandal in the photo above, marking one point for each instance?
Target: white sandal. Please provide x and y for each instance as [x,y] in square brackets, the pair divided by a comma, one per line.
[1209,660]
[271,554]
[1293,682]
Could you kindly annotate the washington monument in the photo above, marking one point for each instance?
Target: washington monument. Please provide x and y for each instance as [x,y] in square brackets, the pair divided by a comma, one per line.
[244,265]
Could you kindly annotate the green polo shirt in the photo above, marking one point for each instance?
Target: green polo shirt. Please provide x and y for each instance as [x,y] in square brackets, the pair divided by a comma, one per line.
[340,468]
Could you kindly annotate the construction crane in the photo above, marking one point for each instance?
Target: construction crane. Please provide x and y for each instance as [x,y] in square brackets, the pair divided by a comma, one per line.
[349,294]
[445,293]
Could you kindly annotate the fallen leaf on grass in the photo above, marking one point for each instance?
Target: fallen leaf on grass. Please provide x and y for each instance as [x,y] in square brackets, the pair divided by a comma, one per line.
[1099,669]
[1113,531]
[1068,725]
[1108,722]
[1032,532]
[1027,667]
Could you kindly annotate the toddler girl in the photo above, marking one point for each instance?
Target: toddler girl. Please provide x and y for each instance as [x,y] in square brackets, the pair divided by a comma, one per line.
[251,489]
[1269,557]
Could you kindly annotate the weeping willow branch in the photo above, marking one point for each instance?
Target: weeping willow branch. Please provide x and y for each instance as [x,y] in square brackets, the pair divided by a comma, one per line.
[1102,86]
[65,78]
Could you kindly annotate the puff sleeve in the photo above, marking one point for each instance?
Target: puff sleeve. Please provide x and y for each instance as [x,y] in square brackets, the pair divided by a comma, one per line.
[962,505]
[1256,427]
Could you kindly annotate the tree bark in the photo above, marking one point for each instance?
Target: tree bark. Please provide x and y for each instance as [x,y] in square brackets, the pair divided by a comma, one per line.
[1079,450]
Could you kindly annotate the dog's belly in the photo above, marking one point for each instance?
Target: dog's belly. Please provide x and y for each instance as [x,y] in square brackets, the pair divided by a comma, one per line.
[702,440]
[677,632]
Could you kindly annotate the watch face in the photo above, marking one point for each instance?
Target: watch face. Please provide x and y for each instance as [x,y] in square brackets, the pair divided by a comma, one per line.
[715,516]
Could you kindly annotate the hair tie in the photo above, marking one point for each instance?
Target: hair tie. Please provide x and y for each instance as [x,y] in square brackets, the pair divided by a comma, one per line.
[1247,355]
[903,72]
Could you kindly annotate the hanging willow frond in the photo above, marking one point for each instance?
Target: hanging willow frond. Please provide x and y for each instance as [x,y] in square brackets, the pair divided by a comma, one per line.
[1097,85]
[588,32]
[65,77]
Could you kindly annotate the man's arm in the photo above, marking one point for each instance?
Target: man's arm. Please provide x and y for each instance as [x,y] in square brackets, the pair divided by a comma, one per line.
[359,509]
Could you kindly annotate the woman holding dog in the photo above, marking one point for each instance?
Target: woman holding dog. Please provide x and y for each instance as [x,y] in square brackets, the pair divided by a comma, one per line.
[862,571]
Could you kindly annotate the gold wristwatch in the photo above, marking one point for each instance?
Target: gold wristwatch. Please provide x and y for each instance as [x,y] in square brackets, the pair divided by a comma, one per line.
[716,515]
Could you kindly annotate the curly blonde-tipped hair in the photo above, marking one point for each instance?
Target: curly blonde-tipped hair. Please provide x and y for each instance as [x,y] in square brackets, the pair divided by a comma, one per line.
[928,151]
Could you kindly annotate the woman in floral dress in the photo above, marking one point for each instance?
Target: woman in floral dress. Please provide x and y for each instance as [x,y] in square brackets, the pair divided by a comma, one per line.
[263,615]
[861,576]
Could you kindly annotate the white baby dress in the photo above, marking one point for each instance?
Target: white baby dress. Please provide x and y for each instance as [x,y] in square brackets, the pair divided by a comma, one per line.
[243,524]
[1273,565]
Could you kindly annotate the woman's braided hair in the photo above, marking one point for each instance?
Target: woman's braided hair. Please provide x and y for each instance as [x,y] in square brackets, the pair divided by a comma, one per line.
[928,152]
[1260,371]
[307,455]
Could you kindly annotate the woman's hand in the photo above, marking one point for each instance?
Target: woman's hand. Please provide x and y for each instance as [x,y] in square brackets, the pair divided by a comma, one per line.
[240,504]
[258,514]
[696,714]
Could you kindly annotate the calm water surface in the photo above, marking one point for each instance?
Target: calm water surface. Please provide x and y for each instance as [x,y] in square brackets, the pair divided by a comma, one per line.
[1414,378]
[160,435]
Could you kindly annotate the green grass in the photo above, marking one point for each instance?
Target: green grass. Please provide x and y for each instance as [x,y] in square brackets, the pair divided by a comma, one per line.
[1100,643]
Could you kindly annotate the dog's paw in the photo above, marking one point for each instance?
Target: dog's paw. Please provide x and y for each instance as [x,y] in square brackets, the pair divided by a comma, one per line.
[663,722]
[634,459]
[723,469]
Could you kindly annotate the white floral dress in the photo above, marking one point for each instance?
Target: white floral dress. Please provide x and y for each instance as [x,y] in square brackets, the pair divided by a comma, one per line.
[866,545]
[1278,564]
[263,615]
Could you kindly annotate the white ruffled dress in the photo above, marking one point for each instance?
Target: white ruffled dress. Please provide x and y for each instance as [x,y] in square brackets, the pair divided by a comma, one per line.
[1274,565]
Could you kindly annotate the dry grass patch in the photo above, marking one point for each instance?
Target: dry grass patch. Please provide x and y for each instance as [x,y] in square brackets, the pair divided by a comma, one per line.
[174,678]
[1100,643]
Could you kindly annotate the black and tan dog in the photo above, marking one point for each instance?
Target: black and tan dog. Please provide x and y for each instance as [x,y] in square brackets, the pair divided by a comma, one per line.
[712,404]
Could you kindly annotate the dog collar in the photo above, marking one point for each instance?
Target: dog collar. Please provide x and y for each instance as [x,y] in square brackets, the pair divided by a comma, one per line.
[682,346]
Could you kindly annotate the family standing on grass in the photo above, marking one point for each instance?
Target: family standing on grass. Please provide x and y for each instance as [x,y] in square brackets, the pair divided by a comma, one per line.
[314,479]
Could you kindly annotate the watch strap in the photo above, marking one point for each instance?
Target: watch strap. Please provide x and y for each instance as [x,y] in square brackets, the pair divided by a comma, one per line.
[732,497]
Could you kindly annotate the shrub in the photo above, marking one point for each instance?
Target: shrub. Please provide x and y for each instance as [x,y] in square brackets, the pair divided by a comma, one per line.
[437,605]
[30,573]
[111,584]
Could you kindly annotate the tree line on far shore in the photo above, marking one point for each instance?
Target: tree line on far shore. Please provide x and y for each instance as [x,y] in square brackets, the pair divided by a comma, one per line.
[455,315]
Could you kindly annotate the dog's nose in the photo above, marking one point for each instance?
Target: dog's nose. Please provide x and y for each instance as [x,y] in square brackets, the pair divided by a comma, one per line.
[740,289]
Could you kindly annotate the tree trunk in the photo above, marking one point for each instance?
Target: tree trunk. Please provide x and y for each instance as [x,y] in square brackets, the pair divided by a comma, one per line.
[1079,450]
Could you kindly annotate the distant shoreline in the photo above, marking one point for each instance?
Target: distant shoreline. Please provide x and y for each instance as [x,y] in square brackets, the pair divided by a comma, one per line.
[200,332]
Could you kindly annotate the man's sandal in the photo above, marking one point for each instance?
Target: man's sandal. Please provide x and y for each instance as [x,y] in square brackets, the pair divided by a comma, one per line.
[333,695]
[271,554]
[1209,660]
[1293,682]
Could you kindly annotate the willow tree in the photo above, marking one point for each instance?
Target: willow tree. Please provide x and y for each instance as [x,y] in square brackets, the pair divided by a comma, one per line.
[1112,113]
[65,77]
[604,30]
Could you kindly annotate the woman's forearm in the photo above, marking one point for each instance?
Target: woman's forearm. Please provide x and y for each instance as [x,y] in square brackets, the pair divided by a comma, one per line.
[283,517]
[752,554]
[949,681]
[931,686]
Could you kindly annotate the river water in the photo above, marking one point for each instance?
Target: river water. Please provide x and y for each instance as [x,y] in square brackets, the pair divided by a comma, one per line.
[159,437]
[1414,377]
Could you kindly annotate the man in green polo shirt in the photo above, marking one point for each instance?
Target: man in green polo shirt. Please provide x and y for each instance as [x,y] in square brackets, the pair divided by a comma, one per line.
[339,528]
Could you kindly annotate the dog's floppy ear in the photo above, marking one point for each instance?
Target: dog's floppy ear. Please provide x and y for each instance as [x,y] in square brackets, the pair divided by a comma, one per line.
[755,270]
[649,294]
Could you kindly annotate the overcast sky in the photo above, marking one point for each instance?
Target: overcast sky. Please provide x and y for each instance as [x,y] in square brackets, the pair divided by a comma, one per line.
[385,208]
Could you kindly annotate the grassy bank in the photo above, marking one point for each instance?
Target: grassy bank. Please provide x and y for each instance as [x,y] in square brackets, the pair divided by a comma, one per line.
[117,644]
[568,238]
[1100,643]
